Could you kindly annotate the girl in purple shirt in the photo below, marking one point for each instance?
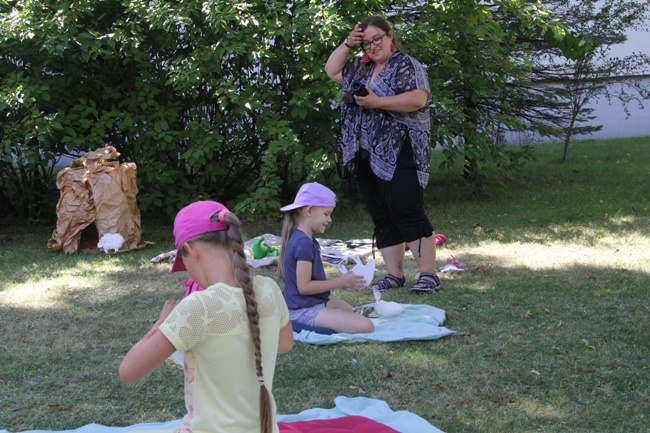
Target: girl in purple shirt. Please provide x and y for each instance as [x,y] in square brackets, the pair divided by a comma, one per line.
[306,287]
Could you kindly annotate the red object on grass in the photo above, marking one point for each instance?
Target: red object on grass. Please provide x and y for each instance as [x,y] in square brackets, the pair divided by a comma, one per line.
[345,424]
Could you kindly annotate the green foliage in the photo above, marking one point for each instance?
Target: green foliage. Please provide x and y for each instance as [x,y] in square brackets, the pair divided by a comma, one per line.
[229,100]
[479,67]
[578,80]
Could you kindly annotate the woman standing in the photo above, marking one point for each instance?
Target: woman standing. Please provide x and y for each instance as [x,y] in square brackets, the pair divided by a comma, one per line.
[386,142]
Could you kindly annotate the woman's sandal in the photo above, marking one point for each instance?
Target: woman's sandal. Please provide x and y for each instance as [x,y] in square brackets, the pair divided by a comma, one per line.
[427,282]
[390,281]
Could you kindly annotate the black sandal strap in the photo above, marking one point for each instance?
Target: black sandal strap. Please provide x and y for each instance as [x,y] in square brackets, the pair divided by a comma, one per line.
[427,282]
[387,283]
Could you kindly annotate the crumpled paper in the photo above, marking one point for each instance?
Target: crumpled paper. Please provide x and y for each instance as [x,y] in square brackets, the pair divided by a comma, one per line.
[98,196]
[388,308]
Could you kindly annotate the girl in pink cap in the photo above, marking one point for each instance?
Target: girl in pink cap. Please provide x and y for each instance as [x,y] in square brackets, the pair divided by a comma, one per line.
[230,333]
[306,287]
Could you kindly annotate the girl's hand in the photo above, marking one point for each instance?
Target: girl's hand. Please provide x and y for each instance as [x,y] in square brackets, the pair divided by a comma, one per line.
[168,307]
[353,281]
[148,353]
[356,36]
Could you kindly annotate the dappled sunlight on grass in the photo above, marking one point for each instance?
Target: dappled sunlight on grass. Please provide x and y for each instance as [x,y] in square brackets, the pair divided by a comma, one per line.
[43,294]
[94,281]
[626,252]
[533,408]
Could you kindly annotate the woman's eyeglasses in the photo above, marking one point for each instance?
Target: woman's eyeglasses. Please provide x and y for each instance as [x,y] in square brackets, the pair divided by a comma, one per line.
[375,41]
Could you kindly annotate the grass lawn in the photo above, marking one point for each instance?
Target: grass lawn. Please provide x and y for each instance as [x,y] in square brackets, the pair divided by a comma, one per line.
[552,313]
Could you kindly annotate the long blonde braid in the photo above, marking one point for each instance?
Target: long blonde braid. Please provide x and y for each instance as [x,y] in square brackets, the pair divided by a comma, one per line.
[243,277]
[233,240]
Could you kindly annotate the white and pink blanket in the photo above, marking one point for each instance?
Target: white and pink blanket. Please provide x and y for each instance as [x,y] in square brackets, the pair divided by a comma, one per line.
[349,415]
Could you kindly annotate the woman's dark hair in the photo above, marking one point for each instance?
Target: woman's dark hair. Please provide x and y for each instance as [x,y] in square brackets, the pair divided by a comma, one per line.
[376,21]
[381,23]
[362,69]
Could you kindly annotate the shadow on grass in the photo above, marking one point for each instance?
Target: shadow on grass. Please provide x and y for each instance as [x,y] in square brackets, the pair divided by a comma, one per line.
[60,355]
[535,348]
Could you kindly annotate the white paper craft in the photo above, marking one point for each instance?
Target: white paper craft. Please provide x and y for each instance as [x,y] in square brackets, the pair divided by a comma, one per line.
[367,271]
[383,308]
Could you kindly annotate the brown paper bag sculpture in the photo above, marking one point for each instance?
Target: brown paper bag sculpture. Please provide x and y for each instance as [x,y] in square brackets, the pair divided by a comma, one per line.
[97,203]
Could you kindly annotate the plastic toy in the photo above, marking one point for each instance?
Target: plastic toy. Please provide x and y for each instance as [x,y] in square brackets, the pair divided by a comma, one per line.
[454,265]
[261,249]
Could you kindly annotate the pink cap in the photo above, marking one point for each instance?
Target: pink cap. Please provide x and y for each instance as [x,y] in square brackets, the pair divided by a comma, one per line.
[194,220]
[312,194]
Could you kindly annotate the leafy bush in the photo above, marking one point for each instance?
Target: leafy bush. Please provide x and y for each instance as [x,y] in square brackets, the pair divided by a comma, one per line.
[230,100]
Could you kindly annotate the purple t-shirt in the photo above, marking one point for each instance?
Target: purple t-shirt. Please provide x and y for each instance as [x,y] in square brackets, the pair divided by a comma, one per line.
[302,248]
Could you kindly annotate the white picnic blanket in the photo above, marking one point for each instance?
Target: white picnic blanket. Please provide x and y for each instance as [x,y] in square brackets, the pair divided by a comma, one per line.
[415,322]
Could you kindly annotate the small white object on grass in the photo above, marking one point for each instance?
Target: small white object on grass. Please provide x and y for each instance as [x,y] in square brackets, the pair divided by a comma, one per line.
[447,269]
[111,241]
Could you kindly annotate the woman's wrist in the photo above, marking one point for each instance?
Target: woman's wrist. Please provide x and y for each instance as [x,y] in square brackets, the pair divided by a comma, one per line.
[345,42]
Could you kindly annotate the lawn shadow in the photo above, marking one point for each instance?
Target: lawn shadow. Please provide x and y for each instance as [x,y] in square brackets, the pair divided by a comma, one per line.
[535,346]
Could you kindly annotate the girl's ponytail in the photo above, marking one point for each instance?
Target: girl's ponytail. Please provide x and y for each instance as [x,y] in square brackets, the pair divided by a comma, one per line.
[242,274]
[289,225]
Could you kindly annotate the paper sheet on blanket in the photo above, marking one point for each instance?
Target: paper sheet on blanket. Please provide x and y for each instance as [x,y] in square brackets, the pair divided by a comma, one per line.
[349,248]
[271,240]
[334,251]
[377,410]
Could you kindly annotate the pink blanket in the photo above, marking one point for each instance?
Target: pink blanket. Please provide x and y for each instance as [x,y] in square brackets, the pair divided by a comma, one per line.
[345,424]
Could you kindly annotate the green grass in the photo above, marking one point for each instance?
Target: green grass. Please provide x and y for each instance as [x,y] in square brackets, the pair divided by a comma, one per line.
[552,314]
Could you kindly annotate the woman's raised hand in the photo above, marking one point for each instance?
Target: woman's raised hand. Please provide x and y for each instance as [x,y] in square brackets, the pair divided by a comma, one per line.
[356,36]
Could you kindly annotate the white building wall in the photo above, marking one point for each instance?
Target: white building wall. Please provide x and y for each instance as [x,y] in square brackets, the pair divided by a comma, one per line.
[611,115]
[616,124]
